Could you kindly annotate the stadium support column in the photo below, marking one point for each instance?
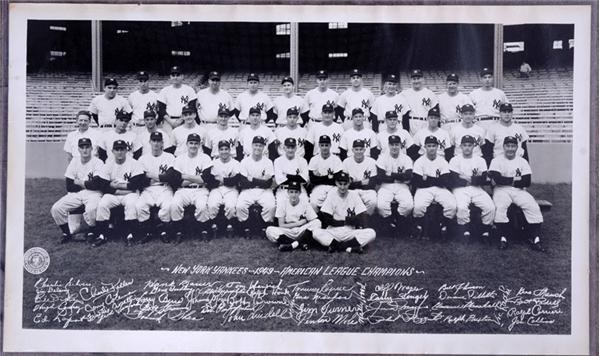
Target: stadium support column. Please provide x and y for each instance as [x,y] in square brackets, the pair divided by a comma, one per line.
[498,55]
[97,55]
[294,53]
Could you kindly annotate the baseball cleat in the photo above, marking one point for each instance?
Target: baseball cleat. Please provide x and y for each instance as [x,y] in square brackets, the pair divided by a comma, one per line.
[304,246]
[286,247]
[229,231]
[90,237]
[147,237]
[164,237]
[503,244]
[65,238]
[537,246]
[178,237]
[204,235]
[356,249]
[100,240]
[213,231]
[416,232]
[129,240]
[247,233]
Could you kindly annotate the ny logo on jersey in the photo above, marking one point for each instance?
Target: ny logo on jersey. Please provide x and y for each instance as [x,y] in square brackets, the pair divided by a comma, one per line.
[337,137]
[364,103]
[185,99]
[330,171]
[402,143]
[350,212]
[151,106]
[120,111]
[295,108]
[367,174]
[263,173]
[129,146]
[162,168]
[330,102]
[517,172]
[222,106]
[458,109]
[198,171]
[442,144]
[496,104]
[426,102]
[260,106]
[90,176]
[127,176]
[398,108]
[367,143]
[475,171]
[400,169]
[231,142]
[519,137]
[438,173]
[297,171]
[300,141]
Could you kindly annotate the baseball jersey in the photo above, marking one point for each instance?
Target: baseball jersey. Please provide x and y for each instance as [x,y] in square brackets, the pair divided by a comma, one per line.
[260,100]
[425,167]
[342,207]
[458,131]
[315,99]
[142,102]
[450,106]
[487,102]
[352,135]
[261,169]
[289,213]
[192,165]
[227,169]
[157,165]
[497,132]
[385,103]
[176,98]
[473,166]
[352,99]
[394,165]
[515,167]
[210,103]
[120,173]
[216,134]
[72,142]
[83,171]
[334,131]
[299,133]
[281,105]
[180,135]
[442,136]
[106,109]
[143,138]
[284,166]
[359,171]
[420,102]
[383,136]
[324,166]
[248,133]
[130,137]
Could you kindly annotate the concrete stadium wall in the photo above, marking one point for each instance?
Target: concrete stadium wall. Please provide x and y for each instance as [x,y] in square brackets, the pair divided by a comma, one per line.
[550,162]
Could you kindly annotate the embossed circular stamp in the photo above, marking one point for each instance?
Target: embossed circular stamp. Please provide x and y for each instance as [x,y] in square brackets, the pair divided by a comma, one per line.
[36,260]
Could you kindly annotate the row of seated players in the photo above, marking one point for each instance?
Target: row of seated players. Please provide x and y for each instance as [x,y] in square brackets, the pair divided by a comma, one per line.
[223,190]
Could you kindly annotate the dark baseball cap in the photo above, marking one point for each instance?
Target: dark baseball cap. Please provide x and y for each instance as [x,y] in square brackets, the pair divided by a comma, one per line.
[84,141]
[452,78]
[327,108]
[322,74]
[119,144]
[416,73]
[194,137]
[289,142]
[506,107]
[254,110]
[253,76]
[110,81]
[84,112]
[149,113]
[287,79]
[391,78]
[356,72]
[324,139]
[431,139]
[358,143]
[188,109]
[485,71]
[467,108]
[223,112]
[391,114]
[357,111]
[123,116]
[292,111]
[259,139]
[214,75]
[511,139]
[467,139]
[142,75]
[434,111]
[394,139]
[294,185]
[175,70]
[341,176]
[156,136]
[224,143]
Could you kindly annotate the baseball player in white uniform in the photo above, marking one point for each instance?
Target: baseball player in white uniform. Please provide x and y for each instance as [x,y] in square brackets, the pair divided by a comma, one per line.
[363,175]
[358,131]
[430,178]
[451,101]
[71,146]
[467,127]
[213,99]
[285,102]
[222,132]
[291,130]
[355,97]
[181,133]
[104,107]
[468,173]
[296,220]
[391,100]
[433,129]
[172,99]
[256,128]
[344,219]
[487,100]
[326,127]
[511,175]
[503,128]
[316,98]
[420,100]
[120,132]
[155,164]
[143,136]
[80,190]
[254,98]
[391,128]
[321,170]
[142,100]
[289,164]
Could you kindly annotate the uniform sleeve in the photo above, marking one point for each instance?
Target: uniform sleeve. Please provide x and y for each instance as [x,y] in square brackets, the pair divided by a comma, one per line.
[490,134]
[104,172]
[408,163]
[342,101]
[304,169]
[359,206]
[162,96]
[328,204]
[312,165]
[269,169]
[237,105]
[167,140]
[309,212]
[481,165]
[418,167]
[343,143]
[280,177]
[525,167]
[270,137]
[137,143]
[229,102]
[126,106]
[495,165]
[137,169]
[93,108]
[453,165]
[310,135]
[444,167]
[243,170]
[524,134]
[67,145]
[70,171]
[268,103]
[280,211]
[434,99]
[417,138]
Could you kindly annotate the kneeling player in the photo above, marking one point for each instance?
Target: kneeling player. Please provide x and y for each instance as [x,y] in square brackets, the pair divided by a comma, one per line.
[344,216]
[296,218]
[226,171]
[511,175]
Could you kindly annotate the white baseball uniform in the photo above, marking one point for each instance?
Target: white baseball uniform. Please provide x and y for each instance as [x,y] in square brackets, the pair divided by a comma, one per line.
[217,134]
[487,104]
[420,102]
[223,195]
[262,169]
[194,194]
[471,194]
[284,166]
[72,141]
[106,109]
[398,191]
[425,196]
[458,131]
[142,102]
[211,102]
[352,99]
[318,129]
[130,137]
[323,168]
[497,132]
[119,173]
[143,137]
[158,194]
[176,98]
[442,136]
[450,108]
[248,133]
[298,133]
[289,213]
[315,99]
[352,135]
[246,100]
[358,171]
[281,105]
[180,135]
[406,140]
[385,103]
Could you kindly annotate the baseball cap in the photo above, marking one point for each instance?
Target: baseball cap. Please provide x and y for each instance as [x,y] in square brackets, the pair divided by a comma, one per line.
[467,139]
[390,114]
[156,136]
[434,111]
[485,71]
[431,139]
[294,185]
[122,116]
[394,139]
[506,107]
[214,75]
[110,81]
[84,141]
[322,74]
[223,112]
[416,73]
[289,142]
[287,79]
[119,144]
[391,78]
[175,70]
[142,75]
[452,78]
[467,108]
[324,139]
[341,176]
[84,112]
[188,109]
[355,72]
[254,110]
[292,111]
[253,76]
[511,139]
[358,143]
[224,143]
[193,137]
[149,113]
[259,139]
[327,108]
[357,111]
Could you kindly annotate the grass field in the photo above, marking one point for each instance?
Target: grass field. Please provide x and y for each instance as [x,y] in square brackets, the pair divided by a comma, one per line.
[440,263]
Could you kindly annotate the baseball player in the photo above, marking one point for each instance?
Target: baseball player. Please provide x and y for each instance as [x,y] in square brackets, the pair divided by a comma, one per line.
[451,101]
[155,164]
[358,132]
[181,133]
[344,218]
[505,127]
[143,136]
[487,100]
[253,97]
[71,146]
[430,178]
[194,168]
[172,99]
[321,170]
[391,100]
[256,180]
[316,98]
[326,127]
[222,132]
[80,190]
[467,127]
[226,171]
[291,130]
[355,97]
[120,132]
[420,100]
[287,101]
[433,129]
[468,173]
[289,164]
[296,221]
[142,100]
[212,100]
[119,179]
[363,175]
[511,175]
[391,128]
[104,107]
[256,128]
[394,172]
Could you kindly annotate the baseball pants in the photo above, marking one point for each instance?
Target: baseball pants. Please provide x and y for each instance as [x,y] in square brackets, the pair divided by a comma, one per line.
[319,194]
[225,196]
[343,233]
[369,198]
[264,197]
[110,201]
[184,197]
[398,192]
[467,195]
[88,198]
[156,195]
[504,196]
[425,196]
[294,233]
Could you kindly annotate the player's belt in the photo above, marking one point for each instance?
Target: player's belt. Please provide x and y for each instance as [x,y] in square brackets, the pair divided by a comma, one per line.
[106,125]
[418,118]
[194,186]
[485,118]
[138,125]
[315,120]
[208,122]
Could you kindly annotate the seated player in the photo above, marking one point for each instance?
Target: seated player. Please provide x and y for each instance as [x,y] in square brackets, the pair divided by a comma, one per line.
[119,133]
[432,129]
[363,175]
[226,172]
[344,219]
[157,193]
[181,133]
[468,173]
[391,128]
[194,169]
[296,220]
[256,128]
[321,170]
[80,190]
[358,132]
[119,179]
[291,129]
[511,175]
[143,134]
[394,172]
[290,164]
[256,180]
[326,127]
[430,178]
[71,146]
[222,132]
[467,127]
